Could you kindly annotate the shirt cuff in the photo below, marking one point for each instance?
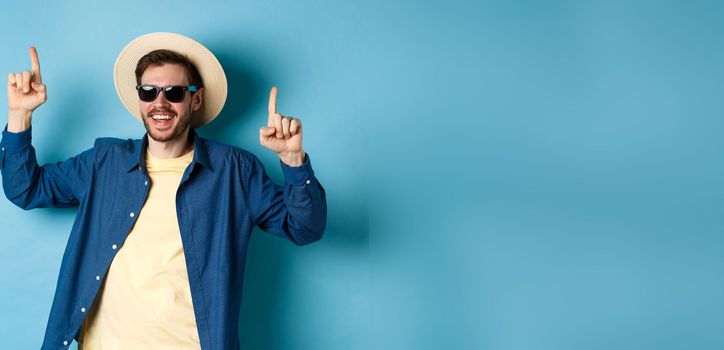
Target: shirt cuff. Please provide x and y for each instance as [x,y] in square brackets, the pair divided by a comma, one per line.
[15,141]
[298,175]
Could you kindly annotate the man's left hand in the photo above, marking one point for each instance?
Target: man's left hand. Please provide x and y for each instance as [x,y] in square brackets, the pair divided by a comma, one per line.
[282,135]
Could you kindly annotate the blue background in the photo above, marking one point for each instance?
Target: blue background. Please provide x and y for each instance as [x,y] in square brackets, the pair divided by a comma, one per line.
[501,175]
[315,296]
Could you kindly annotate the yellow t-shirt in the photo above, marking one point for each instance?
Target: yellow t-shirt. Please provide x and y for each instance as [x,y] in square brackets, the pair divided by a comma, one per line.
[145,299]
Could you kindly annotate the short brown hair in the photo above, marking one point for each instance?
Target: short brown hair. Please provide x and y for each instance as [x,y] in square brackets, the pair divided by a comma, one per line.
[163,56]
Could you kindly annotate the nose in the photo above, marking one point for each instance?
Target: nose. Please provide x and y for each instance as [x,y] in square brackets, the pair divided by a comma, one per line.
[161,100]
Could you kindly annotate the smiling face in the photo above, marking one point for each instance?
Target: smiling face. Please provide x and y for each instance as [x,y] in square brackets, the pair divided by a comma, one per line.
[167,121]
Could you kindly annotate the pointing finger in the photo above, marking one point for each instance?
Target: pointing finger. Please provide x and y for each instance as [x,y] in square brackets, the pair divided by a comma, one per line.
[278,125]
[273,100]
[272,104]
[35,63]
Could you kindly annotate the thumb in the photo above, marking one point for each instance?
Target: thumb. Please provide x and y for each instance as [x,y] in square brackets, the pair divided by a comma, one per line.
[40,89]
[267,131]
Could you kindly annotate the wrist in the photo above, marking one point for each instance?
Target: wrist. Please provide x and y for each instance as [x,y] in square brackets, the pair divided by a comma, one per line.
[293,159]
[19,121]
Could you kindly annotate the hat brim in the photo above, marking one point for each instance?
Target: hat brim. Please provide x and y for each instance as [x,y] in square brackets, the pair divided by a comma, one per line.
[209,68]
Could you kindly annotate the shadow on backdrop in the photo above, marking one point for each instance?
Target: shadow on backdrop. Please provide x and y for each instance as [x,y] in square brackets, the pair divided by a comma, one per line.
[263,317]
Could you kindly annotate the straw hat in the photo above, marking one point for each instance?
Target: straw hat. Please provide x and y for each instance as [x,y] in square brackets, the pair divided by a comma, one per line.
[208,66]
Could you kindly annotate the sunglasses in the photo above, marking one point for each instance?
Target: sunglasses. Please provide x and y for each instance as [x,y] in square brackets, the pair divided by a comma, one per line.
[174,94]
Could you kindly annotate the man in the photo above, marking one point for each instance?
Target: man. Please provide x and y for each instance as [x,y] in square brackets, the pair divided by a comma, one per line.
[155,259]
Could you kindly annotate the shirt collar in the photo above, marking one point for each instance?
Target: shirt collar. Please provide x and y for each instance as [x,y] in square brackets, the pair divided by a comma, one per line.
[138,150]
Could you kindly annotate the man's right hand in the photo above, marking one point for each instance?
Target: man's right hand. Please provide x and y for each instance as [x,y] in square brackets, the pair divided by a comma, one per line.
[26,92]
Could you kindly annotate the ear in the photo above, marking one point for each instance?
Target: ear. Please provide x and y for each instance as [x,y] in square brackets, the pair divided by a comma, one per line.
[197,99]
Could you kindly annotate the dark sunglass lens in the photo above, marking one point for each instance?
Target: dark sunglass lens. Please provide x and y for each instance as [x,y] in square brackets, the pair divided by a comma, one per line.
[174,93]
[147,93]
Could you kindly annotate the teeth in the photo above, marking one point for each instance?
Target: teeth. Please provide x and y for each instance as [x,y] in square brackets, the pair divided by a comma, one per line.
[161,117]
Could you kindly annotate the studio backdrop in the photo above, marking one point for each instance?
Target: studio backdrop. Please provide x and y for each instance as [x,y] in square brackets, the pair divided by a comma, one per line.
[505,175]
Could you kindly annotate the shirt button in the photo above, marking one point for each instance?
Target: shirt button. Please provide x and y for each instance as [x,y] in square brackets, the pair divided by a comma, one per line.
[145,183]
[98,278]
[3,149]
[309,181]
[114,247]
[82,309]
[65,342]
[132,214]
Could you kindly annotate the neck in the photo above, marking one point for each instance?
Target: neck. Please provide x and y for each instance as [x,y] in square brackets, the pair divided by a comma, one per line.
[171,149]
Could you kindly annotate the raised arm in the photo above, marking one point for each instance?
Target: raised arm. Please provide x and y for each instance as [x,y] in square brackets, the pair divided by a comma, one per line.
[297,210]
[25,183]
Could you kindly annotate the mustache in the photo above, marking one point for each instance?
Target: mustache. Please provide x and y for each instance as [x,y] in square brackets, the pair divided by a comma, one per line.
[163,111]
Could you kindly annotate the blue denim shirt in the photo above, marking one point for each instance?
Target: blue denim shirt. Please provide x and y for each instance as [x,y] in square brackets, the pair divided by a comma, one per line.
[223,194]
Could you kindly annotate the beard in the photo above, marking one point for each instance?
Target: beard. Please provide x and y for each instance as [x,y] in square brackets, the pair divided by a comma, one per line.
[182,124]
